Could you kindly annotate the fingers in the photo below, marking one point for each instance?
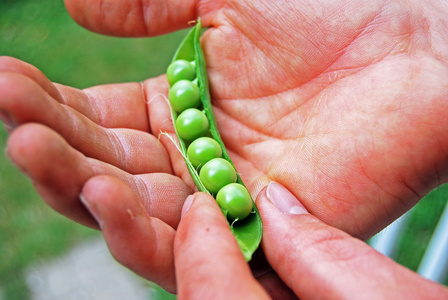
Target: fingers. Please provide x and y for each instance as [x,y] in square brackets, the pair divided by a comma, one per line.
[209,263]
[134,17]
[112,106]
[13,65]
[134,151]
[141,243]
[58,172]
[320,262]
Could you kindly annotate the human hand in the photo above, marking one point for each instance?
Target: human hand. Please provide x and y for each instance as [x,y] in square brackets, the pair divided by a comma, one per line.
[61,137]
[302,113]
[343,102]
[315,260]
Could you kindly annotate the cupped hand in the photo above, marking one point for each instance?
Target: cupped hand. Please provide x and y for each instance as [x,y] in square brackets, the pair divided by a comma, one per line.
[62,137]
[342,103]
[313,259]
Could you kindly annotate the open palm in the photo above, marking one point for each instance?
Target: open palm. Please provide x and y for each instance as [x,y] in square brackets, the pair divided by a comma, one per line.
[342,103]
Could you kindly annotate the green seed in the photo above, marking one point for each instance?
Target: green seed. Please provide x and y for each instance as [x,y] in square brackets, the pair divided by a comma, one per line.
[184,94]
[216,174]
[203,150]
[191,124]
[248,233]
[180,69]
[236,200]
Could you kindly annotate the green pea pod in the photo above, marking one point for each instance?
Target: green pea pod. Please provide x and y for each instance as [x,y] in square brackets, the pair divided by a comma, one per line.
[248,231]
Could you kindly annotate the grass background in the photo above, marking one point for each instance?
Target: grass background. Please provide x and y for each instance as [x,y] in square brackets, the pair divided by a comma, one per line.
[41,32]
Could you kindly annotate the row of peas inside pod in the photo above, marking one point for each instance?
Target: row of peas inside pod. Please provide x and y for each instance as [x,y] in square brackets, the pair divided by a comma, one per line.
[216,173]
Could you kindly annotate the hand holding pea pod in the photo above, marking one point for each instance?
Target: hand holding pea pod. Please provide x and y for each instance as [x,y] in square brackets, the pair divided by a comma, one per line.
[210,166]
[344,104]
[315,260]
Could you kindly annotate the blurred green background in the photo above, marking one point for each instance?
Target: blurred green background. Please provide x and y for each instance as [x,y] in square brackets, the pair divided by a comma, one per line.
[41,32]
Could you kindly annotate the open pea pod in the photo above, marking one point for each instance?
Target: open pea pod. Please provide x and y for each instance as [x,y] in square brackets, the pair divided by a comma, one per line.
[247,231]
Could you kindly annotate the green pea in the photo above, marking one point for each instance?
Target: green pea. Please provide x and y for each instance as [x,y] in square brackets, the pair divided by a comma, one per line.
[184,94]
[191,124]
[194,124]
[203,150]
[180,69]
[216,174]
[236,200]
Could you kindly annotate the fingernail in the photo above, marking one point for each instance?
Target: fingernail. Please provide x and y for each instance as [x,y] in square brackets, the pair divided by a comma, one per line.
[187,205]
[7,120]
[284,200]
[92,209]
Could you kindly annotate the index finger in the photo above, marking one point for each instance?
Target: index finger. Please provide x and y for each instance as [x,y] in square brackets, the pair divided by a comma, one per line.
[208,261]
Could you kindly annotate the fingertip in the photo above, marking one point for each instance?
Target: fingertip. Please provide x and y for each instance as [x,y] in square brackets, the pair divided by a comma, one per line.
[8,120]
[284,200]
[187,205]
[279,210]
[17,90]
[16,148]
[14,65]
[204,245]
[141,243]
[203,229]
[32,145]
[56,171]
[200,209]
[103,189]
[93,210]
[111,202]
[102,194]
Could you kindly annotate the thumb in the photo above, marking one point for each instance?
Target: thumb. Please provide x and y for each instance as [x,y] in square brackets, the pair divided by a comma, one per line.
[208,261]
[318,261]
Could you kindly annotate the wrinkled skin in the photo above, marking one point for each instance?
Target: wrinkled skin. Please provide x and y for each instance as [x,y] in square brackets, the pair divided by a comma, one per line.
[313,259]
[342,102]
